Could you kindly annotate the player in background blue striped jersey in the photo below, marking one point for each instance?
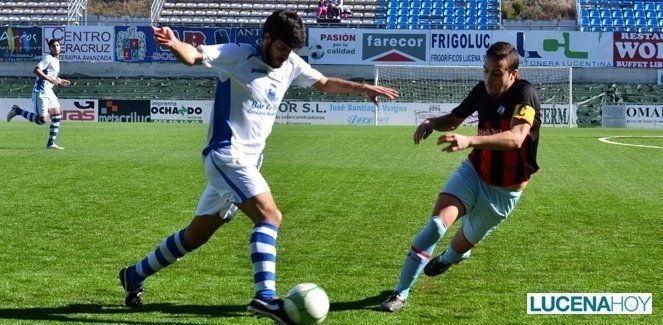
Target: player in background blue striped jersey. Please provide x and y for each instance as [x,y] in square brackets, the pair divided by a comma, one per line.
[43,97]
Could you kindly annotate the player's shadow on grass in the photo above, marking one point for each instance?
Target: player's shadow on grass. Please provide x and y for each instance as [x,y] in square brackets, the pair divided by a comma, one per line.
[95,313]
[370,303]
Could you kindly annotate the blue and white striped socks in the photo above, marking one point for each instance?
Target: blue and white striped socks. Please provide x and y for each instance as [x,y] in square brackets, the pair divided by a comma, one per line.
[30,116]
[169,251]
[55,128]
[263,256]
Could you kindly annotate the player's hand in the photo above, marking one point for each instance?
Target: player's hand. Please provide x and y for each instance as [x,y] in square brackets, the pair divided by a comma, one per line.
[372,92]
[456,142]
[54,81]
[423,131]
[64,83]
[164,36]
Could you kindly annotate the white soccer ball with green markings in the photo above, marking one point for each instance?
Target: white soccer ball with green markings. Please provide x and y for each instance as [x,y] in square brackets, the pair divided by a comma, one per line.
[307,303]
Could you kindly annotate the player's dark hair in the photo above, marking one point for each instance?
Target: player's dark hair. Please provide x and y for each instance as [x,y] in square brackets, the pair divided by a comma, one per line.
[52,41]
[285,25]
[504,50]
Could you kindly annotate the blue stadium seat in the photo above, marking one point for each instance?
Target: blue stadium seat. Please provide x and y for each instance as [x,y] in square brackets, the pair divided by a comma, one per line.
[629,22]
[402,20]
[639,6]
[482,20]
[659,15]
[652,23]
[449,5]
[392,12]
[650,7]
[470,13]
[607,29]
[616,13]
[402,26]
[413,12]
[584,14]
[415,5]
[482,5]
[438,5]
[426,5]
[618,22]
[595,22]
[448,12]
[628,13]
[640,14]
[459,12]
[425,12]
[605,13]
[482,13]
[594,14]
[448,20]
[403,5]
[424,25]
[391,19]
[606,22]
[584,21]
[459,27]
[391,26]
[470,21]
[413,20]
[403,12]
[651,14]
[437,12]
[392,5]
[640,22]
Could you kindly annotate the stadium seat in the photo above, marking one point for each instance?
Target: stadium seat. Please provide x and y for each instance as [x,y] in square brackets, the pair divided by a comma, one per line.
[437,13]
[629,22]
[426,5]
[425,12]
[652,23]
[640,14]
[615,13]
[415,5]
[628,13]
[604,13]
[606,22]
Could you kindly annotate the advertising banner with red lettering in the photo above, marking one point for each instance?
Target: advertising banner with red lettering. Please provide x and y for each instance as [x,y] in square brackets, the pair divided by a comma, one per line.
[367,46]
[638,50]
[82,43]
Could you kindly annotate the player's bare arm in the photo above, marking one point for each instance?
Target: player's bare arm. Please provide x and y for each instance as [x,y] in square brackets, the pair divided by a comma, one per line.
[184,52]
[442,123]
[507,140]
[340,86]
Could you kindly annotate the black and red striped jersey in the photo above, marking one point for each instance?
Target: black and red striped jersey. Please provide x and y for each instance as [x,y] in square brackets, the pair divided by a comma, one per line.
[521,101]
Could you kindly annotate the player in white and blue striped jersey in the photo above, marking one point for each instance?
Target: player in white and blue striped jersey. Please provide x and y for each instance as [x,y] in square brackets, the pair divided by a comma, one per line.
[43,97]
[251,84]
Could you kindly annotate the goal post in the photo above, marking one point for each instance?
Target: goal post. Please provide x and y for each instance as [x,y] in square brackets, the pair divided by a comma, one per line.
[450,85]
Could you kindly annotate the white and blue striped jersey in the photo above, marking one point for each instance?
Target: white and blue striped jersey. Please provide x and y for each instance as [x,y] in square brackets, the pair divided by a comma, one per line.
[248,94]
[50,66]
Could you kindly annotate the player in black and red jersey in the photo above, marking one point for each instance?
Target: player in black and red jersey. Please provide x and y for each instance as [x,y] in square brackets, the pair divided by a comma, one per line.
[486,186]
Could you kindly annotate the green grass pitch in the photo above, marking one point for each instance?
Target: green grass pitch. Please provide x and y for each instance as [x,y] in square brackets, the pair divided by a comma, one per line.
[352,197]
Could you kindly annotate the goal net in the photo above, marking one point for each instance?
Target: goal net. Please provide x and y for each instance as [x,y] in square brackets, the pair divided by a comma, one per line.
[448,86]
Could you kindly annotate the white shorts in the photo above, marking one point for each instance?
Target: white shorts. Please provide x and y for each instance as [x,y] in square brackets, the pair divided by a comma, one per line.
[43,101]
[229,180]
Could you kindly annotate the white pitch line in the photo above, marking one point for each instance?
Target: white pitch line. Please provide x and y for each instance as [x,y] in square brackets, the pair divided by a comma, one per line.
[605,140]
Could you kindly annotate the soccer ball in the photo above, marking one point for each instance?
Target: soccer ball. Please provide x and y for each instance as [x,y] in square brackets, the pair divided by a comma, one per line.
[316,52]
[306,303]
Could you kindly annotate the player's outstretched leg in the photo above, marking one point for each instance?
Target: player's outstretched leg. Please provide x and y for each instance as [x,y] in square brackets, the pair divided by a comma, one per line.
[420,250]
[263,257]
[55,129]
[132,277]
[30,116]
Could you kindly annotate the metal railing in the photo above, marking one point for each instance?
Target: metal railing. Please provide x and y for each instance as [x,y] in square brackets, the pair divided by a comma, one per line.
[77,12]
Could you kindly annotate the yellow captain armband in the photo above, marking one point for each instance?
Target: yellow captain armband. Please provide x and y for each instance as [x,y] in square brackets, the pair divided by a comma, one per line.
[524,112]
